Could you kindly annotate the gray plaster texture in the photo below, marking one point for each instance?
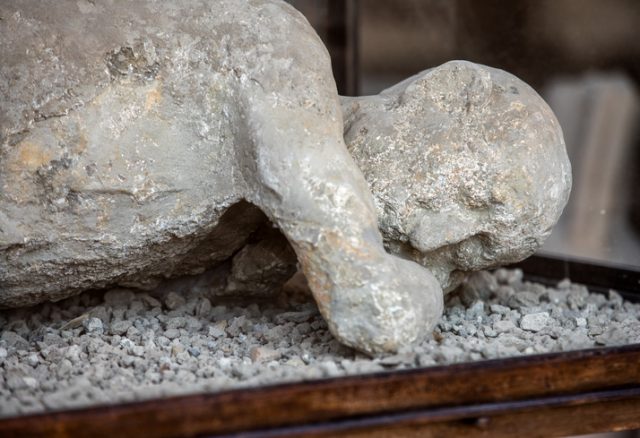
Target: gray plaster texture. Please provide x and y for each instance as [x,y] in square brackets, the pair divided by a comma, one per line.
[148,140]
[467,166]
[108,348]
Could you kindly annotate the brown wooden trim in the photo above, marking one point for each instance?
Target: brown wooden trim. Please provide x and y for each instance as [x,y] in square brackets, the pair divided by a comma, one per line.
[495,381]
[555,416]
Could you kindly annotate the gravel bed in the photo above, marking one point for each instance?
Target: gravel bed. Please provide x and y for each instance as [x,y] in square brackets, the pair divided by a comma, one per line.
[121,345]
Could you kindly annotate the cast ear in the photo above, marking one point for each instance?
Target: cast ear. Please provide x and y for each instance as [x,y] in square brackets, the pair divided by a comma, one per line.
[429,230]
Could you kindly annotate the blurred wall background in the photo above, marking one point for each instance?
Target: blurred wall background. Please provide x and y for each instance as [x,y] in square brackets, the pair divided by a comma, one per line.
[582,56]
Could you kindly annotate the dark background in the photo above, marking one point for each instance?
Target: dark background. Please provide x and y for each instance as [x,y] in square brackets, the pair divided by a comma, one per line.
[582,56]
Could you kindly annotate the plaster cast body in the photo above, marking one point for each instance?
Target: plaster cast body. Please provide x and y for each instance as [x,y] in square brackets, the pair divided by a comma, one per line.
[149,141]
[467,165]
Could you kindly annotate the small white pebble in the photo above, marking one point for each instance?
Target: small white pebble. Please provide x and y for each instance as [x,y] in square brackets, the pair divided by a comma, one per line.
[73,353]
[33,359]
[535,322]
[489,332]
[581,322]
[127,344]
[30,382]
[93,325]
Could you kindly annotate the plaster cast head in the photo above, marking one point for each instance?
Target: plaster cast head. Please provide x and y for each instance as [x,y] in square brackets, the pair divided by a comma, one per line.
[467,165]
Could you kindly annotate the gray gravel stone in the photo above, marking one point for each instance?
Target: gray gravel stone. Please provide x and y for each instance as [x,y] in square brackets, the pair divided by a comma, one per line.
[176,322]
[297,317]
[174,300]
[489,332]
[503,326]
[93,325]
[120,327]
[269,343]
[478,287]
[535,322]
[30,382]
[172,333]
[33,359]
[497,308]
[73,354]
[218,329]
[15,381]
[581,322]
[14,340]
